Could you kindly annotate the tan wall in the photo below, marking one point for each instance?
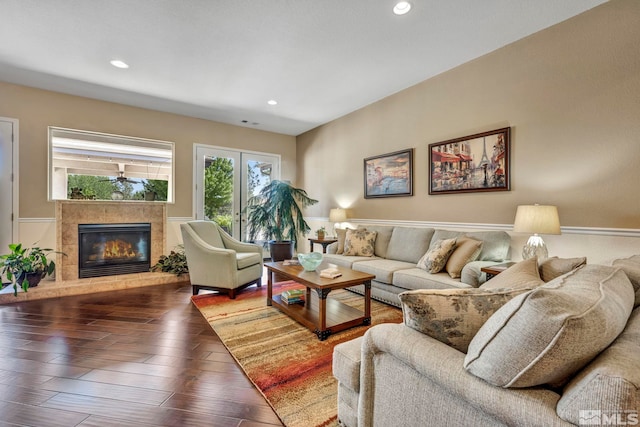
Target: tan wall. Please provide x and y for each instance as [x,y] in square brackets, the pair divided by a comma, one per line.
[571,96]
[37,109]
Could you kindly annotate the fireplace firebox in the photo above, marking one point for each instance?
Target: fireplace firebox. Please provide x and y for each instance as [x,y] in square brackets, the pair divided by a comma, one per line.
[111,249]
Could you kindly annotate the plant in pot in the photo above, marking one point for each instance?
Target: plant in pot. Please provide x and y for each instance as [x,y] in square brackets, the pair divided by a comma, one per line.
[275,214]
[175,262]
[320,232]
[25,267]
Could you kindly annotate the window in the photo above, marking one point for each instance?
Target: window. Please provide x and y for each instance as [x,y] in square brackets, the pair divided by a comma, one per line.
[96,166]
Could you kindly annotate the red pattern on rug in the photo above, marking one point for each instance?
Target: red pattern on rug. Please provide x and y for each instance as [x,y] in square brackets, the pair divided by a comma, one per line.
[286,361]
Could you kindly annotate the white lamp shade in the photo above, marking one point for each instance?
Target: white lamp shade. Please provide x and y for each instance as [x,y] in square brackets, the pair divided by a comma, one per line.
[337,215]
[538,219]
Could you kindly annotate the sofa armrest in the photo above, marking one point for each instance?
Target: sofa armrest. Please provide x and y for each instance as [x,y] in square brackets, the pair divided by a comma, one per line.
[332,248]
[445,391]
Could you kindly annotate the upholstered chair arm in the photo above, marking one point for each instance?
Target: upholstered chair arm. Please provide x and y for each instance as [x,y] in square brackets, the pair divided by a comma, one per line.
[238,246]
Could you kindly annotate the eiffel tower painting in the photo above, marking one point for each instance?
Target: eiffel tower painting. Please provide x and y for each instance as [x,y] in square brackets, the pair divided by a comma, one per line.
[484,160]
[478,169]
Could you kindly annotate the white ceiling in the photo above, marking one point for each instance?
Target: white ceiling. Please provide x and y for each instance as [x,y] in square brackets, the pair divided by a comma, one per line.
[223,60]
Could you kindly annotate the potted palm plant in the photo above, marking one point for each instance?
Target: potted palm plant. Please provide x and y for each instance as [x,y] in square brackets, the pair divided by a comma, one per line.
[275,214]
[25,267]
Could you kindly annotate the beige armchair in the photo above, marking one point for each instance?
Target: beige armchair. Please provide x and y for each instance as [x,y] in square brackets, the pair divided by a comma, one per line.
[217,261]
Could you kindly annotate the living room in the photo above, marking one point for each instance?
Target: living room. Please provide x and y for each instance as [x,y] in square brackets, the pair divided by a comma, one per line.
[569,94]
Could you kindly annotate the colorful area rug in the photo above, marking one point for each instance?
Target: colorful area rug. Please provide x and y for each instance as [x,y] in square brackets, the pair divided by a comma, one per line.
[285,360]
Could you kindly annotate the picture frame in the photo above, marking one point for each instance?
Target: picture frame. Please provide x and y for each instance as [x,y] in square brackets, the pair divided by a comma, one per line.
[474,163]
[389,175]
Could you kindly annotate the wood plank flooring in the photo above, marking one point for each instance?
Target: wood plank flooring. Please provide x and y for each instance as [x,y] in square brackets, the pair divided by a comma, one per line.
[137,357]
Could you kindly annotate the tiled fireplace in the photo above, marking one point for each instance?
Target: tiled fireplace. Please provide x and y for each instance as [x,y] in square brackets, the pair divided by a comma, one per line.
[72,215]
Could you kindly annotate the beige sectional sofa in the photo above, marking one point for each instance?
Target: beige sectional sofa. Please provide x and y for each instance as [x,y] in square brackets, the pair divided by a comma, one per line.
[398,250]
[566,352]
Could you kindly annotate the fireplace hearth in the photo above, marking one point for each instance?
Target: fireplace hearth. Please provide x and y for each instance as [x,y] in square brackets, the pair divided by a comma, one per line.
[112,249]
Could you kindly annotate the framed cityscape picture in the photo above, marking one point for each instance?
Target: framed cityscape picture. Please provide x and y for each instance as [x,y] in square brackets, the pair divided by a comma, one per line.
[472,163]
[389,175]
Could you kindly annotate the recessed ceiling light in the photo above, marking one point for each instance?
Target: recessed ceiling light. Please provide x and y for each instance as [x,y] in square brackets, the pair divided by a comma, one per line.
[272,102]
[119,64]
[402,7]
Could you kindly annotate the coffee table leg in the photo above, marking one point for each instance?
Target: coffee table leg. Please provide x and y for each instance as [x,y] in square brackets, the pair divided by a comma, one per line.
[322,332]
[269,286]
[367,303]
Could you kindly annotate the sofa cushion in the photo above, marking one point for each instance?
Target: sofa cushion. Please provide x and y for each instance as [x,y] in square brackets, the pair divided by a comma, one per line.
[495,245]
[631,267]
[553,267]
[359,242]
[466,250]
[408,243]
[546,335]
[436,257]
[522,275]
[382,268]
[452,316]
[383,237]
[417,278]
[345,260]
[611,382]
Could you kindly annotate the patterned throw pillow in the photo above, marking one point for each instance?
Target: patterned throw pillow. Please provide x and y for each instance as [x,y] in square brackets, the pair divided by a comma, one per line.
[466,250]
[359,243]
[523,275]
[452,316]
[554,267]
[436,258]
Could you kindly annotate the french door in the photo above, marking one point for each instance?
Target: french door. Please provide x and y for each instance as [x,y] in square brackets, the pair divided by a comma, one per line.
[226,179]
[8,148]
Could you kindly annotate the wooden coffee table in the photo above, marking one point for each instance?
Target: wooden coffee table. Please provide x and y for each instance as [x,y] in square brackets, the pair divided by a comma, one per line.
[323,316]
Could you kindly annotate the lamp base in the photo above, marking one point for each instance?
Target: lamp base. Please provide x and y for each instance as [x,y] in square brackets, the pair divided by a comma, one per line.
[535,247]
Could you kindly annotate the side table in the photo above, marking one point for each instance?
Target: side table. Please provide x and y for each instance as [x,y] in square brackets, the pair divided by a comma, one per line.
[494,270]
[323,242]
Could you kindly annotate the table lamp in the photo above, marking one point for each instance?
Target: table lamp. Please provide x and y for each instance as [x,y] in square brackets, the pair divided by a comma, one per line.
[337,215]
[536,219]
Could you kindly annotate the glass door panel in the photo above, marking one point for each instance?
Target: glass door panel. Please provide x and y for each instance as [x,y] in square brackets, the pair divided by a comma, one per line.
[225,180]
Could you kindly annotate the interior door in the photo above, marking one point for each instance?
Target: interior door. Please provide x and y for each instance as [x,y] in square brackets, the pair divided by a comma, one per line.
[6,176]
[225,180]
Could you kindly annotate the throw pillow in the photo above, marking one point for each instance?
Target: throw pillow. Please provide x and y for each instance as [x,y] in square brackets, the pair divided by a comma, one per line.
[631,267]
[546,335]
[553,267]
[436,258]
[452,316]
[522,275]
[341,234]
[466,250]
[359,243]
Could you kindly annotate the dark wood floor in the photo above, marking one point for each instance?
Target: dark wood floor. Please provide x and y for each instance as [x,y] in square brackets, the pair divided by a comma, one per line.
[137,357]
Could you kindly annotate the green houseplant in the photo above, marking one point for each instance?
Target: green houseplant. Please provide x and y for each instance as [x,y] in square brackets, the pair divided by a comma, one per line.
[275,214]
[25,267]
[175,262]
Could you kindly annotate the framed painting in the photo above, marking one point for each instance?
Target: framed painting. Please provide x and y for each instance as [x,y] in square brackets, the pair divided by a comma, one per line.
[471,164]
[389,175]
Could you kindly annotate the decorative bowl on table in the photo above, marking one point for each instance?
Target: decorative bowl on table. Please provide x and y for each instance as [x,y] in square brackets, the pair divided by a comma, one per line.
[310,261]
